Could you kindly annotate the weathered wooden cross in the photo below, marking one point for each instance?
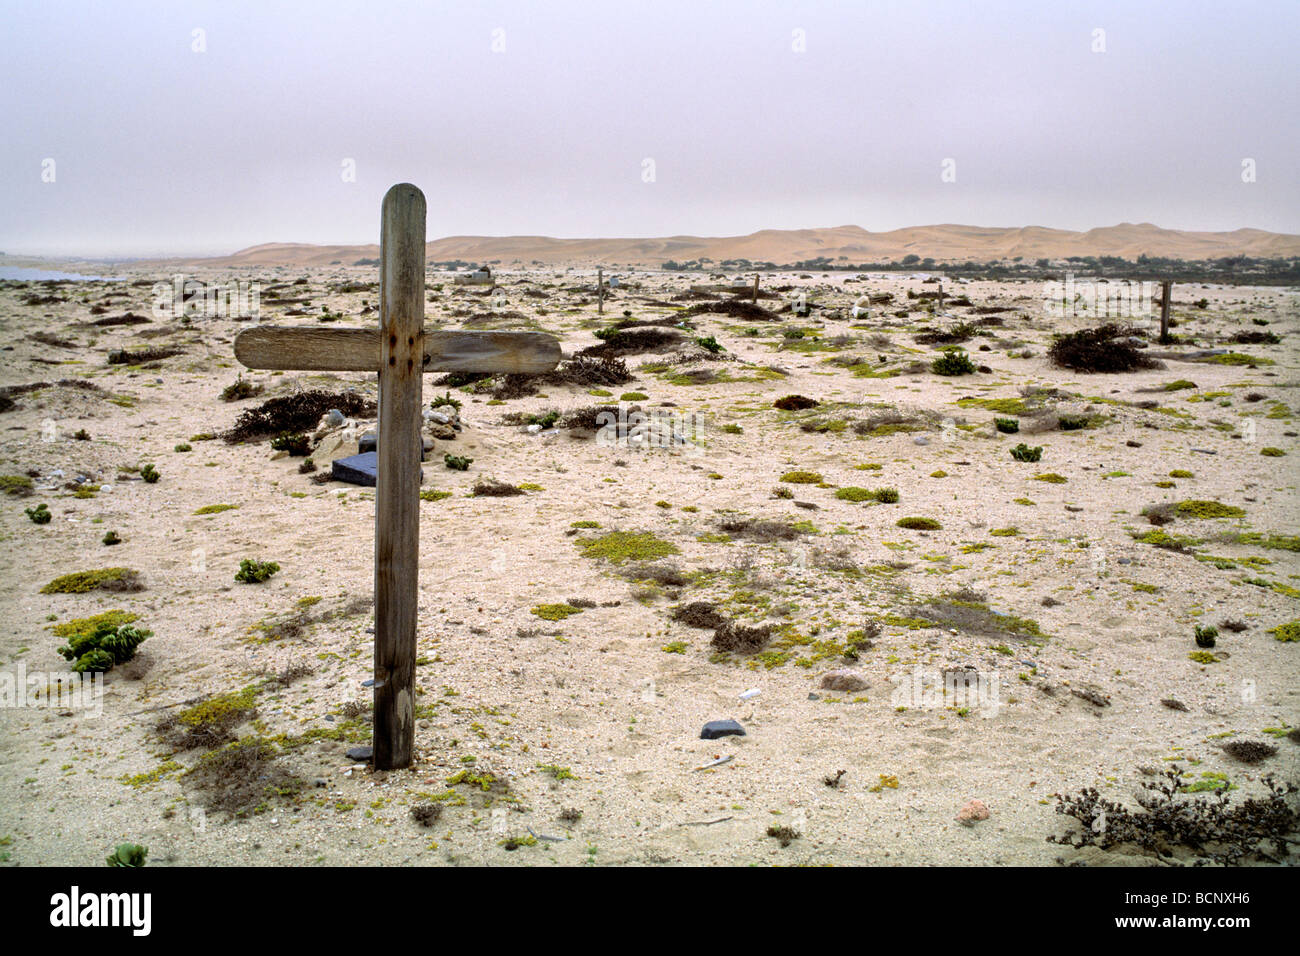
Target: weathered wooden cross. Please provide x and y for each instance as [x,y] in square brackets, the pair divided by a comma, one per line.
[399,350]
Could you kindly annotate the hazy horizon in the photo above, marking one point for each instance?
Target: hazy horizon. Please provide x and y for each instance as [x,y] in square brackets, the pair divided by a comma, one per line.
[524,120]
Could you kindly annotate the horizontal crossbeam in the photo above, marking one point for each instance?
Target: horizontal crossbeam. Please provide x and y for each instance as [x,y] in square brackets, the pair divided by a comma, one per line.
[291,348]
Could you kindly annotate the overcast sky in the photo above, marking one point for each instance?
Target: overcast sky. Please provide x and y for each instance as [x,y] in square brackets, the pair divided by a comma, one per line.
[543,118]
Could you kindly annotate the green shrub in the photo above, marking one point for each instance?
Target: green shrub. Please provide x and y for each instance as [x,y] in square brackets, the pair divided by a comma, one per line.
[802,478]
[457,462]
[1270,452]
[710,343]
[1205,635]
[254,572]
[546,419]
[129,855]
[149,474]
[101,642]
[1023,452]
[445,399]
[240,389]
[295,443]
[40,514]
[183,447]
[111,538]
[886,496]
[1008,426]
[952,362]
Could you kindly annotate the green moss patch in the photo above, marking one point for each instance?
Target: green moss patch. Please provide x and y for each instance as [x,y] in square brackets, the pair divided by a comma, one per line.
[1275,542]
[89,625]
[555,612]
[853,493]
[1199,508]
[20,486]
[918,524]
[1007,406]
[215,509]
[1287,633]
[104,579]
[1234,358]
[966,612]
[619,546]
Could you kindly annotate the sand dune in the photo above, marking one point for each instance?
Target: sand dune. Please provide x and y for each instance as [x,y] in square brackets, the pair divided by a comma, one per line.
[944,243]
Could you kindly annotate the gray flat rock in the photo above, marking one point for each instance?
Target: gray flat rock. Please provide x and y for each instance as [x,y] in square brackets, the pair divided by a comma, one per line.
[360,469]
[721,728]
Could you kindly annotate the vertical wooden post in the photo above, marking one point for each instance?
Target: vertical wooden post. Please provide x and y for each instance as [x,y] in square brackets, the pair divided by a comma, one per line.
[600,291]
[397,492]
[754,297]
[940,296]
[1166,296]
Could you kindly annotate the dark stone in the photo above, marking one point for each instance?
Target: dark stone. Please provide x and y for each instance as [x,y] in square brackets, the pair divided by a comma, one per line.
[360,754]
[721,728]
[360,469]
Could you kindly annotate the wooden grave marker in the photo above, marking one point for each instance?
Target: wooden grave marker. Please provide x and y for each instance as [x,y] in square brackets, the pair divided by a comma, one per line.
[400,351]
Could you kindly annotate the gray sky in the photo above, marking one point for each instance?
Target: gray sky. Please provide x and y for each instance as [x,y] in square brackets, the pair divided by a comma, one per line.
[160,149]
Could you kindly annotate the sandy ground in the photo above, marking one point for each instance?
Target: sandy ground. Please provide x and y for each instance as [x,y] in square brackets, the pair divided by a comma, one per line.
[597,694]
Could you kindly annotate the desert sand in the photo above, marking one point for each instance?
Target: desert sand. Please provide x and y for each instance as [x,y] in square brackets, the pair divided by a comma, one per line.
[853,244]
[585,730]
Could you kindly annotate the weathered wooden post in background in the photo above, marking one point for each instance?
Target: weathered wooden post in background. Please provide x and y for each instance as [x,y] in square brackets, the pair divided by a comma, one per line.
[754,297]
[400,351]
[1166,295]
[600,291]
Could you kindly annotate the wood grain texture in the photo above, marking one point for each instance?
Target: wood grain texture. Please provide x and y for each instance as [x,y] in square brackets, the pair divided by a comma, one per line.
[397,493]
[360,350]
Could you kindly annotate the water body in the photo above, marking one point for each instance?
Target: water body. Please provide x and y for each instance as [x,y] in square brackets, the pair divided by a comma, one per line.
[41,275]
